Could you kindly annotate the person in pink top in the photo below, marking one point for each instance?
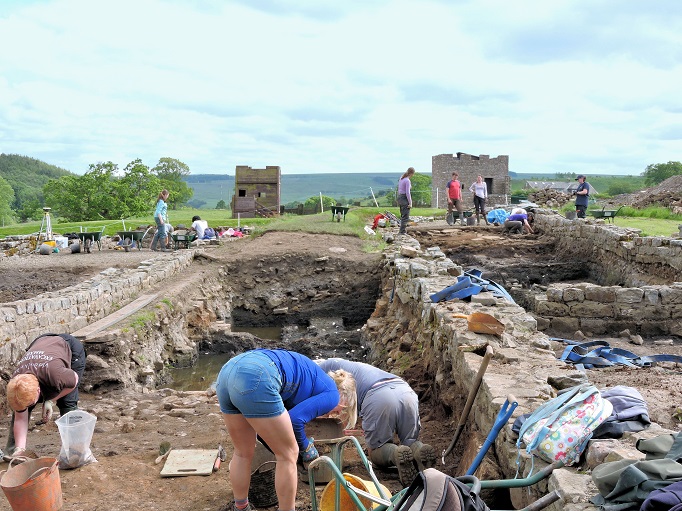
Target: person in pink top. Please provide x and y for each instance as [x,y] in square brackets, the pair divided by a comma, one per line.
[454,191]
[405,199]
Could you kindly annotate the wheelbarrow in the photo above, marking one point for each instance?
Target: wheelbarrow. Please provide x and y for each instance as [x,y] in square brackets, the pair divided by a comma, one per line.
[375,497]
[482,323]
[88,238]
[129,237]
[452,217]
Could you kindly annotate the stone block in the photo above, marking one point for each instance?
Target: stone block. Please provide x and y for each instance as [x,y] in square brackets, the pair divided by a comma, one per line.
[671,295]
[574,294]
[551,309]
[591,310]
[543,323]
[600,294]
[407,251]
[565,324]
[593,326]
[629,295]
[555,294]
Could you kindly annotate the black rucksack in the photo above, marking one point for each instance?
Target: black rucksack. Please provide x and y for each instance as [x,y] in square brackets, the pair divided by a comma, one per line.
[432,490]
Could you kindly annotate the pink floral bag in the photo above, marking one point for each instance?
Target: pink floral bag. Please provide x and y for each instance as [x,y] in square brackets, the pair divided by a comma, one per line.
[560,429]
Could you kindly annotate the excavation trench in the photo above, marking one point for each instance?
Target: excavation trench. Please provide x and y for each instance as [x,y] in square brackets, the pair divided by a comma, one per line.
[329,297]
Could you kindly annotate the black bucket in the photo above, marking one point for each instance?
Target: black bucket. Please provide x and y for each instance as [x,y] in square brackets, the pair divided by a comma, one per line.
[262,489]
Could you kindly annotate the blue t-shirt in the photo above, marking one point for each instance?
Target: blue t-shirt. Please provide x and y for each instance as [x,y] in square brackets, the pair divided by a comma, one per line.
[161,210]
[307,391]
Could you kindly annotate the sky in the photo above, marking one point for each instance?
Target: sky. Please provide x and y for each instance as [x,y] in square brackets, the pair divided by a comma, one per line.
[313,86]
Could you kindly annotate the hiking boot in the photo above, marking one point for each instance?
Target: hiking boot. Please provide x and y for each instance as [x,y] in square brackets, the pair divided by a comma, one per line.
[403,459]
[424,455]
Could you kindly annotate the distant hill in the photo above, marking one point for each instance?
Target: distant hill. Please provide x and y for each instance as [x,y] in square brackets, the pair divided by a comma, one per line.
[27,176]
[211,188]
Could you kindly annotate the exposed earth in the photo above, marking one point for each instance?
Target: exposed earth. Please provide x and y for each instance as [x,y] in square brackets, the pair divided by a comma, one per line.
[131,426]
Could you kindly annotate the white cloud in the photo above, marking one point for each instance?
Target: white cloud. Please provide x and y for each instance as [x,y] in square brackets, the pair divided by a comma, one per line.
[372,86]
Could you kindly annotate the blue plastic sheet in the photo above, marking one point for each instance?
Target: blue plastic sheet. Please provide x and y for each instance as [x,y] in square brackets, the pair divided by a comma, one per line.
[497,216]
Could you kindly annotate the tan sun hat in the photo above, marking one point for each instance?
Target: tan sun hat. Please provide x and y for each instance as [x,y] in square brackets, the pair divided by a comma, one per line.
[22,392]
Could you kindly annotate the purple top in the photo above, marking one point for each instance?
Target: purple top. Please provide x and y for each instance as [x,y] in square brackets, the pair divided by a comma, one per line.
[404,186]
[518,218]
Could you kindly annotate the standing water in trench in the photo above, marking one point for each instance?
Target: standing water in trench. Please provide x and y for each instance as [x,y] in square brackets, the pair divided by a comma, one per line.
[204,372]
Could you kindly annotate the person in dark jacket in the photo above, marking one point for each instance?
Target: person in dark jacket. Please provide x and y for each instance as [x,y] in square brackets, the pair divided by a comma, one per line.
[49,371]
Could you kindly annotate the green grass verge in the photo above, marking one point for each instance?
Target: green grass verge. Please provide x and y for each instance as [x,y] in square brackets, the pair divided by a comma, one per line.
[652,222]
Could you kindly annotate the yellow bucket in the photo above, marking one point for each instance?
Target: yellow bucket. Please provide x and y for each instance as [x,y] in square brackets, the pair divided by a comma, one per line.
[346,503]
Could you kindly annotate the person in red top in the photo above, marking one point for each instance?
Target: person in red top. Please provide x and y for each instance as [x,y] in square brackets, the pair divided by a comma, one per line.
[454,191]
[50,370]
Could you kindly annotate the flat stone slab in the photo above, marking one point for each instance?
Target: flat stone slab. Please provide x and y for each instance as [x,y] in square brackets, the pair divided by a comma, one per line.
[85,333]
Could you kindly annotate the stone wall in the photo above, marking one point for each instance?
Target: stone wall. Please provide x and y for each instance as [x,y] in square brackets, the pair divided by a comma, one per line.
[469,167]
[615,255]
[77,306]
[414,337]
[596,310]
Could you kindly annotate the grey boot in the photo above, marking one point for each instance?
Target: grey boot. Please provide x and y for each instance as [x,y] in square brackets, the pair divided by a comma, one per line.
[153,245]
[424,455]
[400,456]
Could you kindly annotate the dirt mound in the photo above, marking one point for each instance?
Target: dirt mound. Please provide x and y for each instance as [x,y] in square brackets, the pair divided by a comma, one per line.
[667,194]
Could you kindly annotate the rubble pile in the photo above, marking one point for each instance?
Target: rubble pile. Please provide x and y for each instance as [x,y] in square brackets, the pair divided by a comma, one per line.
[550,198]
[667,194]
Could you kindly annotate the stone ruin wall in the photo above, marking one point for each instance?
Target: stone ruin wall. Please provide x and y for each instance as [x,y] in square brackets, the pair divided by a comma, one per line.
[597,310]
[649,269]
[469,167]
[75,307]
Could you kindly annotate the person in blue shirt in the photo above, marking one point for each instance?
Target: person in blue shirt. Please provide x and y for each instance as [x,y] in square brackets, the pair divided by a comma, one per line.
[517,223]
[161,219]
[387,406]
[582,196]
[272,394]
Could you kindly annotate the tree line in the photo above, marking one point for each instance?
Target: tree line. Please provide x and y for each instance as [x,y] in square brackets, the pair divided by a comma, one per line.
[103,192]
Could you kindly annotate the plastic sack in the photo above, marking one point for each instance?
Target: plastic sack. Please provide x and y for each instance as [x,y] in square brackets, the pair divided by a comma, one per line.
[76,429]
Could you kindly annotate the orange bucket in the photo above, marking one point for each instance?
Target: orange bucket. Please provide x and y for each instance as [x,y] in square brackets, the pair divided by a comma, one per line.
[33,486]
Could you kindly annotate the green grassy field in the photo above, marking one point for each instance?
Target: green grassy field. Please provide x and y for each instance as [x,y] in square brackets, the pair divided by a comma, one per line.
[356,219]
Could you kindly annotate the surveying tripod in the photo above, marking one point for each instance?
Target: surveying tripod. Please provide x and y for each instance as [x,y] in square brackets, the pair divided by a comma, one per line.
[46,226]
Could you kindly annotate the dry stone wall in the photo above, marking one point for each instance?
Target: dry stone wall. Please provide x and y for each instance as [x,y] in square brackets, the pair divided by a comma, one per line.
[413,336]
[644,273]
[614,254]
[75,307]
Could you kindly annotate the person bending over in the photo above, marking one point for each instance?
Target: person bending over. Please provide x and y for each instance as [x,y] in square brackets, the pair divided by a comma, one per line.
[272,394]
[50,370]
[388,406]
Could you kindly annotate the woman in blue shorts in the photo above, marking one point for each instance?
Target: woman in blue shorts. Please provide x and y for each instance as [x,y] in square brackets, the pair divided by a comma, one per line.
[273,394]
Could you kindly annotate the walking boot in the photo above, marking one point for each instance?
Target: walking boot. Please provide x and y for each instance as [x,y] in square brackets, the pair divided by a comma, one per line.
[399,456]
[424,455]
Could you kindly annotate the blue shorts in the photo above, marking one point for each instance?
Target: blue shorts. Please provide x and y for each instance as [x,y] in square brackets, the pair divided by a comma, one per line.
[250,384]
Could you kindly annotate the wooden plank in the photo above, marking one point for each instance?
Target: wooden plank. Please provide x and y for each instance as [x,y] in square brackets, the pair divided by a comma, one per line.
[114,318]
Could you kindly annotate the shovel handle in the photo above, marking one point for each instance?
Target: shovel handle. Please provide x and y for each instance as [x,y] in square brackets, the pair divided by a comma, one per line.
[470,401]
[460,316]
